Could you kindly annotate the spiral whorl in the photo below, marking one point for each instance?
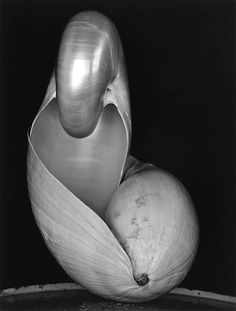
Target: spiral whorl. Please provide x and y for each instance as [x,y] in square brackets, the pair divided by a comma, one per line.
[88,61]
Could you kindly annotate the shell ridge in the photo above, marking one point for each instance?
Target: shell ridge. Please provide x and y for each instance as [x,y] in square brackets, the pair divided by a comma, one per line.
[94,215]
[70,233]
[50,94]
[57,244]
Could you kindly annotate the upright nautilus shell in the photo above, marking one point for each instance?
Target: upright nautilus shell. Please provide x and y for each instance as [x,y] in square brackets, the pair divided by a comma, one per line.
[122,229]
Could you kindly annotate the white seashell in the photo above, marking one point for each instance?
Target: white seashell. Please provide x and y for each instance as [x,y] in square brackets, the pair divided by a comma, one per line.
[77,156]
[153,218]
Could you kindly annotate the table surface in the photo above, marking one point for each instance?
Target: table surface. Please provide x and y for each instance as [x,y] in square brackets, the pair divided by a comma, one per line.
[71,297]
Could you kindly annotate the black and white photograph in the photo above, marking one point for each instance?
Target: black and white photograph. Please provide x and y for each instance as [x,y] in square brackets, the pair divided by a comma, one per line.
[118,155]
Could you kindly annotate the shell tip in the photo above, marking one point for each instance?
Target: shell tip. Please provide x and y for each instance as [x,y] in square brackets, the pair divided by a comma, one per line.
[142,279]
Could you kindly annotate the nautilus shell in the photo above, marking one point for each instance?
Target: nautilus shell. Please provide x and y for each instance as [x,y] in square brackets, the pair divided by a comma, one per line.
[83,183]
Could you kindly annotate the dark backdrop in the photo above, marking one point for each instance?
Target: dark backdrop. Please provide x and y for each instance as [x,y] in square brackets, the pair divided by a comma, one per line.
[181,64]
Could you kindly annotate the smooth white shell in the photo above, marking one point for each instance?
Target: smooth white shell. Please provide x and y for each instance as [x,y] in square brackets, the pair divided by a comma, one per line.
[153,217]
[71,181]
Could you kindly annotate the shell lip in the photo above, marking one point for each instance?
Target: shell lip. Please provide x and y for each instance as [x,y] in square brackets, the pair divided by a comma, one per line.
[61,184]
[108,99]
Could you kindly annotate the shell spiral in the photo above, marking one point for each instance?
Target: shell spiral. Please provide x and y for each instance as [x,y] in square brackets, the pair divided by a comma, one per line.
[80,175]
[90,58]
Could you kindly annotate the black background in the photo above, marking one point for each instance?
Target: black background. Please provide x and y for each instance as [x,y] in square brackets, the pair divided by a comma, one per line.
[181,64]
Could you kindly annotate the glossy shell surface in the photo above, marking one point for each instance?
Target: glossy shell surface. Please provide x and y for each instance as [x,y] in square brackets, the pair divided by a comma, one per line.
[78,155]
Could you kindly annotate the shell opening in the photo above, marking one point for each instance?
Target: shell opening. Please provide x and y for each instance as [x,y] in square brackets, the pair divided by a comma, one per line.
[89,167]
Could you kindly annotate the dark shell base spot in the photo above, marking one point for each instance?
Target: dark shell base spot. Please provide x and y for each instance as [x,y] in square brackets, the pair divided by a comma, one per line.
[142,279]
